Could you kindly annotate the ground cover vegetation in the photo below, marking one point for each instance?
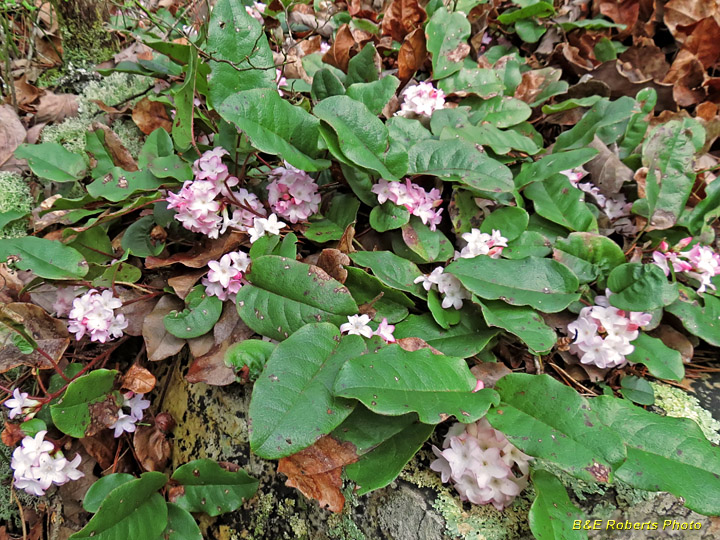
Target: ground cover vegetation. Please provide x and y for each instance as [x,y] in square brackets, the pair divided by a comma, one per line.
[484,228]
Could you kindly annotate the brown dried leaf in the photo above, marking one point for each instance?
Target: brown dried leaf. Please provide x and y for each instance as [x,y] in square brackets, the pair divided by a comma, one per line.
[10,284]
[200,255]
[12,434]
[401,18]
[183,284]
[687,75]
[675,340]
[56,107]
[490,372]
[161,344]
[533,82]
[704,42]
[49,50]
[151,447]
[339,53]
[316,471]
[332,261]
[608,172]
[101,447]
[621,12]
[412,54]
[139,380]
[680,14]
[413,344]
[151,115]
[103,414]
[644,62]
[119,154]
[210,368]
[50,334]
[346,241]
[12,133]
[25,93]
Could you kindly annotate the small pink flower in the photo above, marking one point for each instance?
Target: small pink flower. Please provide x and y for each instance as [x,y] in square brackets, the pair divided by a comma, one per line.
[385,331]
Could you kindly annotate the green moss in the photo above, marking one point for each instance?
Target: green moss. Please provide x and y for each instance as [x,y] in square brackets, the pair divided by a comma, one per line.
[680,404]
[14,196]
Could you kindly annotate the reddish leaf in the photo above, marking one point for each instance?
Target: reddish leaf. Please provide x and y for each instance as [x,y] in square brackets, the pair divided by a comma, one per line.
[412,55]
[119,154]
[151,115]
[138,380]
[12,434]
[316,471]
[413,344]
[50,334]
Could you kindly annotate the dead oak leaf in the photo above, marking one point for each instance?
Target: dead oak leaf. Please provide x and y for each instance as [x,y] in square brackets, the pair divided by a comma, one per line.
[120,155]
[160,343]
[339,53]
[316,471]
[139,380]
[50,334]
[333,261]
[151,447]
[56,107]
[412,54]
[12,133]
[151,115]
[401,18]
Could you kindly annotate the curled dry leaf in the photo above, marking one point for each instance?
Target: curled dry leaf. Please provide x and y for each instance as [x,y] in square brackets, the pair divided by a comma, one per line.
[159,343]
[200,255]
[675,340]
[151,447]
[210,368]
[101,447]
[56,107]
[401,18]
[345,244]
[608,172]
[12,434]
[103,414]
[679,15]
[317,471]
[120,155]
[12,133]
[139,380]
[151,115]
[50,334]
[135,308]
[183,284]
[412,344]
[26,93]
[412,55]
[339,53]
[332,261]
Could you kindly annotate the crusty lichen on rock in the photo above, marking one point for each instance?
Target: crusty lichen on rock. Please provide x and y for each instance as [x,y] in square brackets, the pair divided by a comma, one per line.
[680,404]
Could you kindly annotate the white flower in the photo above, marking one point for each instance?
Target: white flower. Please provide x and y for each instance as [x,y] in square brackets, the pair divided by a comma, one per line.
[32,486]
[221,271]
[19,403]
[33,447]
[50,470]
[136,404]
[21,462]
[125,422]
[263,226]
[70,468]
[358,325]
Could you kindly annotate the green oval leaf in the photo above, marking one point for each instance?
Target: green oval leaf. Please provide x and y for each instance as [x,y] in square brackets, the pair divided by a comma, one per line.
[194,322]
[511,221]
[544,284]
[556,199]
[252,353]
[394,381]
[662,361]
[181,525]
[47,259]
[445,32]
[101,488]
[522,321]
[392,270]
[640,287]
[552,513]
[297,380]
[700,316]
[209,488]
[71,414]
[132,510]
[284,295]
[52,161]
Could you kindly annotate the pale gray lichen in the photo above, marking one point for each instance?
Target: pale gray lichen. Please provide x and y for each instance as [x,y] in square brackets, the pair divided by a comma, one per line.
[680,404]
[111,90]
[9,511]
[14,196]
[341,526]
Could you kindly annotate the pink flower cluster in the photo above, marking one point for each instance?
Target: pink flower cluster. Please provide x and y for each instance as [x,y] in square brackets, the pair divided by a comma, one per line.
[446,284]
[419,202]
[198,205]
[359,325]
[293,194]
[256,11]
[225,277]
[699,262]
[483,465]
[93,313]
[421,100]
[35,469]
[126,422]
[603,333]
[480,243]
